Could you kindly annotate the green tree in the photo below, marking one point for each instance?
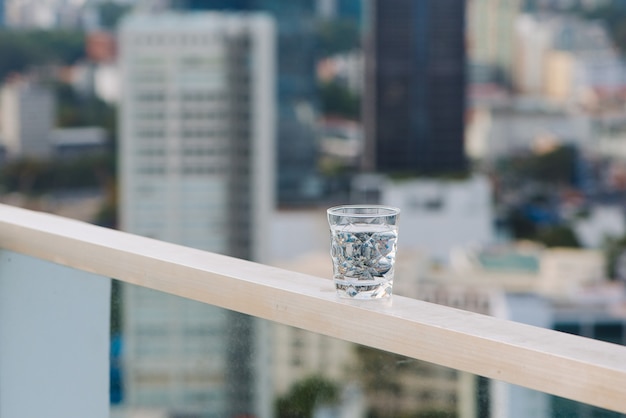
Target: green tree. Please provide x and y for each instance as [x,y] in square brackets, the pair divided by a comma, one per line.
[614,248]
[554,167]
[521,226]
[337,100]
[83,110]
[23,175]
[379,374]
[23,50]
[384,378]
[110,13]
[305,396]
[434,413]
[35,176]
[613,16]
[557,236]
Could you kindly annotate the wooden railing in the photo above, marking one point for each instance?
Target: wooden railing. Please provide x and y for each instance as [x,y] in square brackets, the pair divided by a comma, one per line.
[576,368]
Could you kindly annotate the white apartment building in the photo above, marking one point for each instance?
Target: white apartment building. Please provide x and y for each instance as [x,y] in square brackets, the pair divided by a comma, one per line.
[26,118]
[196,156]
[437,215]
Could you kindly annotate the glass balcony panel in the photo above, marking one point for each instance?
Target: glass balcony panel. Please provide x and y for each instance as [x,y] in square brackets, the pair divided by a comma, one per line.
[214,362]
[54,339]
[197,360]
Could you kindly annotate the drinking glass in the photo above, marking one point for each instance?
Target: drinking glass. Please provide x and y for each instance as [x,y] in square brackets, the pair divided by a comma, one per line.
[363,249]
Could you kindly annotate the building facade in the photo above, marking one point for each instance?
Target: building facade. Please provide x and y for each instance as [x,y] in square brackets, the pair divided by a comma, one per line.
[554,288]
[490,39]
[196,156]
[414,100]
[297,178]
[27,117]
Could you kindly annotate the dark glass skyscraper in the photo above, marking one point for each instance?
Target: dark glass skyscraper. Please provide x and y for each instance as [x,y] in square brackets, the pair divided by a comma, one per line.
[414,102]
[296,91]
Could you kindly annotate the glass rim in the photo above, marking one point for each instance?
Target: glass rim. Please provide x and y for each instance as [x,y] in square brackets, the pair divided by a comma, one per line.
[344,210]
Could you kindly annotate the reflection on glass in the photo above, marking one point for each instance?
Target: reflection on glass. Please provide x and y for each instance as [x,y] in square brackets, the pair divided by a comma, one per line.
[204,361]
[197,360]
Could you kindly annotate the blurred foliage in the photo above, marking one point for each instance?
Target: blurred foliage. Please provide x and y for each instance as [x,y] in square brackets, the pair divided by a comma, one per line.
[614,248]
[536,179]
[521,226]
[382,376]
[331,167]
[338,100]
[305,396]
[31,176]
[557,166]
[557,236]
[553,234]
[377,370]
[22,50]
[613,15]
[401,176]
[337,35]
[428,413]
[116,307]
[111,12]
[107,216]
[74,110]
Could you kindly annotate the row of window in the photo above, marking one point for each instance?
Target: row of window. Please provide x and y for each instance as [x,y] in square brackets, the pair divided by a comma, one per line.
[206,96]
[204,115]
[165,398]
[160,190]
[149,77]
[199,96]
[150,96]
[150,133]
[160,331]
[153,114]
[159,96]
[159,39]
[206,133]
[189,113]
[204,145]
[154,133]
[196,169]
[202,152]
[203,376]
[211,163]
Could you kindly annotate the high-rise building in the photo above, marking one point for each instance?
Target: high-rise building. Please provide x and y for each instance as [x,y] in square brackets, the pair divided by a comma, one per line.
[341,9]
[297,178]
[414,101]
[491,39]
[196,156]
[27,118]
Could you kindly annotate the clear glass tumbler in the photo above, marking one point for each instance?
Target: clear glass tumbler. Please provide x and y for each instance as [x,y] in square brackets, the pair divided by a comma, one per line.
[363,249]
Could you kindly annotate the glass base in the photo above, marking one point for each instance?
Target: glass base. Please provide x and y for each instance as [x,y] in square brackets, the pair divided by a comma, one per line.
[363,291]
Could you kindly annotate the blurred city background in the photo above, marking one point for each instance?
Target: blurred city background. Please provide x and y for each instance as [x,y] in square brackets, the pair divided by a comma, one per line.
[498,127]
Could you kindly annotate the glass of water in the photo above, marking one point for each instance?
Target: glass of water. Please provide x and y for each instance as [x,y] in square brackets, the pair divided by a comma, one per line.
[363,249]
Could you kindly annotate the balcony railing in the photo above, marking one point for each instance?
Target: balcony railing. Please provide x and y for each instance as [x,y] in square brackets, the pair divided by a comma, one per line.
[581,369]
